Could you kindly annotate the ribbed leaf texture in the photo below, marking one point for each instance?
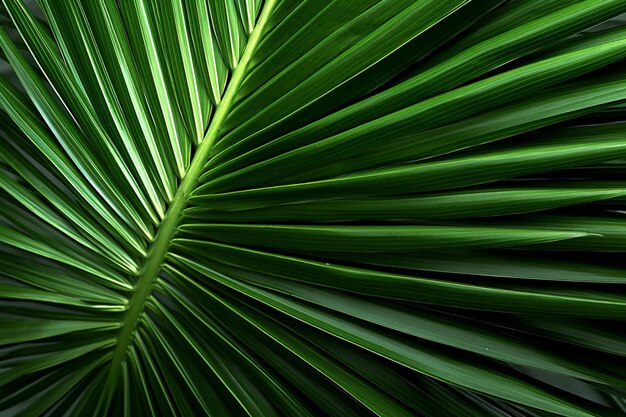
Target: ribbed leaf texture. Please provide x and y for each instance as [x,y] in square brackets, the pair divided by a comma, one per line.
[313,207]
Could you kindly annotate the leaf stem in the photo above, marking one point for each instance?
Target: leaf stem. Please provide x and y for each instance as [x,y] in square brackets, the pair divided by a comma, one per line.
[169,226]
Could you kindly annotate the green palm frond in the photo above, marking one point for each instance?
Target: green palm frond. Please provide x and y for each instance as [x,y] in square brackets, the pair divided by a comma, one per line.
[313,207]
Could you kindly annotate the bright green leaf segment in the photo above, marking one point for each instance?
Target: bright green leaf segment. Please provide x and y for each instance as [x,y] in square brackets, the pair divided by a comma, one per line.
[312,207]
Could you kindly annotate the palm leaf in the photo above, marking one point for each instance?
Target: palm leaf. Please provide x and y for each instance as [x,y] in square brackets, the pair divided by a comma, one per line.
[315,207]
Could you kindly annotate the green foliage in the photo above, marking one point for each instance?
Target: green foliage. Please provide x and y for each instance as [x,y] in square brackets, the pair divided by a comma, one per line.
[312,207]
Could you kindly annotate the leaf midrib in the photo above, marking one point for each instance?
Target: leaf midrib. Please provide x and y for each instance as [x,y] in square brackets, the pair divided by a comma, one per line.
[169,226]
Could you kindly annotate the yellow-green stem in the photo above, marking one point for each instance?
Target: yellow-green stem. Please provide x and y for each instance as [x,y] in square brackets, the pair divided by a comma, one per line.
[169,226]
